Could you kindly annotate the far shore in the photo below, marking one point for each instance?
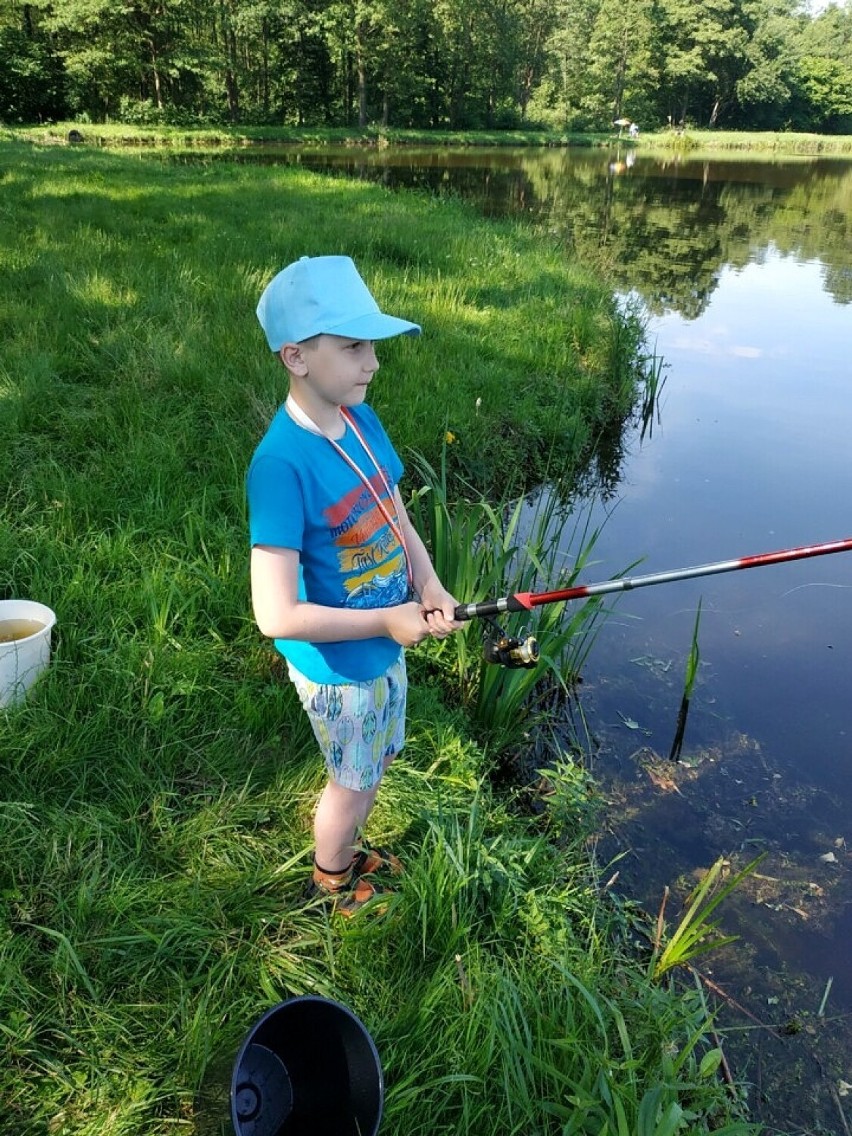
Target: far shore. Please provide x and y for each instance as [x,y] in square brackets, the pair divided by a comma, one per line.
[690,140]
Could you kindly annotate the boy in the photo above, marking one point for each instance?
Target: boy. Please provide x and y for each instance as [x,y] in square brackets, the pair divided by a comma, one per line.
[336,566]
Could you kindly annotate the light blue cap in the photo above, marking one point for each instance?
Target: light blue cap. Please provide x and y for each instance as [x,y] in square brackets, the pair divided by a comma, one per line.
[323,294]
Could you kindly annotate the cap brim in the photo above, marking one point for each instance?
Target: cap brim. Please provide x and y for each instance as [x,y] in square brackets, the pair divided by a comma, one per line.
[374,325]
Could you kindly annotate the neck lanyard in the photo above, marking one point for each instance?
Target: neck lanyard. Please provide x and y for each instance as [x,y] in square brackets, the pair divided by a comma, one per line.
[298,415]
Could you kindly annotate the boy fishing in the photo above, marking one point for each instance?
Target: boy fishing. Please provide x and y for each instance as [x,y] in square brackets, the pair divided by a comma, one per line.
[339,577]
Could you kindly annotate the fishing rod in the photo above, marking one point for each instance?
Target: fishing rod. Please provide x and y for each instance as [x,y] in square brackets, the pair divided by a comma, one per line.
[510,652]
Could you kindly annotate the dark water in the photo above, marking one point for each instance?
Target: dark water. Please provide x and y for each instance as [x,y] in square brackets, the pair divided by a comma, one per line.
[751,454]
[745,270]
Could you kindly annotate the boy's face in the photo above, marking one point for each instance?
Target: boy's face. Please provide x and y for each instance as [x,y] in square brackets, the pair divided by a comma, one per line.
[338,370]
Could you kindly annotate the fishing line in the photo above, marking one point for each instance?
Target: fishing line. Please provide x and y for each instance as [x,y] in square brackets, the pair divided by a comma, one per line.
[815,584]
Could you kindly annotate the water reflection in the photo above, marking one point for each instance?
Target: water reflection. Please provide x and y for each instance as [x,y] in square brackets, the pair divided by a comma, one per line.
[669,230]
[751,456]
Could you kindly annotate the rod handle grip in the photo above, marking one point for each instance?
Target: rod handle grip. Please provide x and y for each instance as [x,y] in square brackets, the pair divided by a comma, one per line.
[490,607]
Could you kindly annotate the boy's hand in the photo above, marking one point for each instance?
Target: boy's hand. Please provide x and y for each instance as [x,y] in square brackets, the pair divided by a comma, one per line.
[406,624]
[439,607]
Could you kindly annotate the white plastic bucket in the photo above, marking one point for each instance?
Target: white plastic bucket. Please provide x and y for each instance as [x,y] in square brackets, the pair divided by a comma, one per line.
[25,628]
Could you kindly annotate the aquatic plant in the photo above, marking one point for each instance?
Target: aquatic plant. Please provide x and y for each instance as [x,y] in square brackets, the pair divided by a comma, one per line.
[692,663]
[696,933]
[651,388]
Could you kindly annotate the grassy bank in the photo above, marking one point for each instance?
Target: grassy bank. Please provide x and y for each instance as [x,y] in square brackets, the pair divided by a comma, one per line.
[177,138]
[124,134]
[212,239]
[760,143]
[157,786]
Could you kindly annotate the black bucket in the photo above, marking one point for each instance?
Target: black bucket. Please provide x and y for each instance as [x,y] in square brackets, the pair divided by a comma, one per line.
[307,1068]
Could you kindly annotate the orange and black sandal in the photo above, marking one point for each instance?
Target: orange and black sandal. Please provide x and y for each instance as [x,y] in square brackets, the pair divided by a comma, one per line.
[369,860]
[347,892]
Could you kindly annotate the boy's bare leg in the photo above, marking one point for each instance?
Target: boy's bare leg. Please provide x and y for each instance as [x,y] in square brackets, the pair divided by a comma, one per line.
[340,815]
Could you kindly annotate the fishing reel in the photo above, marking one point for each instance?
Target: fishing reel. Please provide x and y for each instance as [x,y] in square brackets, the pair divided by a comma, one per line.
[506,651]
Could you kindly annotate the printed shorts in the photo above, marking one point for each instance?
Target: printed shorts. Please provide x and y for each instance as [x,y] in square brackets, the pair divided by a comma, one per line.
[358,725]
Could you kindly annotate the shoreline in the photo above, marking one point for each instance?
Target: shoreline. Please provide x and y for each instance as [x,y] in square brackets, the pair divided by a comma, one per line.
[692,142]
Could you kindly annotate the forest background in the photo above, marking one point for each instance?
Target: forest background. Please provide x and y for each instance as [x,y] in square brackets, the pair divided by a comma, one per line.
[460,64]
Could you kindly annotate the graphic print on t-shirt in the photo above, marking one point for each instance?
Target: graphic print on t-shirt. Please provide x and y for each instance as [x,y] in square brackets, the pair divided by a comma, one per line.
[370,557]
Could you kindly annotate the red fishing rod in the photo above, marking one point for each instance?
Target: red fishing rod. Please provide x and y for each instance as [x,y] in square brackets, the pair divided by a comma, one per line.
[511,652]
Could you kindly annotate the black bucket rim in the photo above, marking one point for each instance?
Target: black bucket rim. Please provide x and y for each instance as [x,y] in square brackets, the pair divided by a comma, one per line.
[300,999]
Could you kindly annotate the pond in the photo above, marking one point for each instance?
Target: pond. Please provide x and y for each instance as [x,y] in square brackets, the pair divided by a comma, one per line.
[744,268]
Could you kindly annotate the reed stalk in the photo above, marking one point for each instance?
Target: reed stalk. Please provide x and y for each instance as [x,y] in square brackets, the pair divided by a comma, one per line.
[692,664]
[482,550]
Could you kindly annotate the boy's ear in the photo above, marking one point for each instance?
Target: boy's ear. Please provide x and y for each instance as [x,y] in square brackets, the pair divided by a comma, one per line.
[291,356]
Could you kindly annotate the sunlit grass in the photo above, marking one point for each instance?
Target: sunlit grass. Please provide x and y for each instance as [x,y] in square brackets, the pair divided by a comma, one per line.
[178,317]
[785,142]
[178,138]
[158,784]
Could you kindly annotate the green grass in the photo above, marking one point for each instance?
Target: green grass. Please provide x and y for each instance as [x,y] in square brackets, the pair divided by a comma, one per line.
[158,784]
[124,134]
[171,321]
[781,142]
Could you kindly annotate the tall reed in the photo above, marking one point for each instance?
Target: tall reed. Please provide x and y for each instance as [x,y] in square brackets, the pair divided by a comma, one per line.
[482,551]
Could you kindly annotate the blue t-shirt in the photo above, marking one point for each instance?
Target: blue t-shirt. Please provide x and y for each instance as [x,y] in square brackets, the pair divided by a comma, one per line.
[303,495]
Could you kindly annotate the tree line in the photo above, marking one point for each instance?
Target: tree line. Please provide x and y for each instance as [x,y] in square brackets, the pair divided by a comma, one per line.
[457,64]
